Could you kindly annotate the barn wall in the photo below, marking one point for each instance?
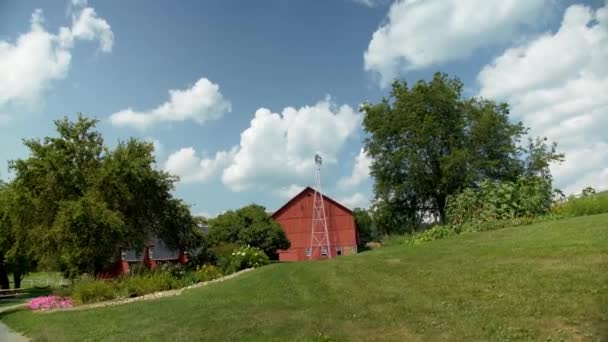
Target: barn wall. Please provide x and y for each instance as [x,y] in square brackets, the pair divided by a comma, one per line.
[296,221]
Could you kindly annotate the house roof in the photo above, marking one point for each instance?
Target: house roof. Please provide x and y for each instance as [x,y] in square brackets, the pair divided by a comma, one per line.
[309,189]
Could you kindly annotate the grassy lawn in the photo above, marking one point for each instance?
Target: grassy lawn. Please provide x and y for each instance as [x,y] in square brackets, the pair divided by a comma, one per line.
[546,281]
[29,293]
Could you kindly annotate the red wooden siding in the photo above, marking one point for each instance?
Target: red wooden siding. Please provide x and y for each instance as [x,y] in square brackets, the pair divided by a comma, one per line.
[295,218]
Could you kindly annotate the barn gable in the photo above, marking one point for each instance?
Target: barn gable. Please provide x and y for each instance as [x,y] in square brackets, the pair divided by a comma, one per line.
[308,191]
[295,217]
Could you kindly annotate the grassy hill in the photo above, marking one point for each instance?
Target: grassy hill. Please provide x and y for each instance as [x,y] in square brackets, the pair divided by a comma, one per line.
[546,281]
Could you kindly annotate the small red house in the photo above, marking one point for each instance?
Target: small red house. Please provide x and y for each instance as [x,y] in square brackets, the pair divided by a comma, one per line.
[295,217]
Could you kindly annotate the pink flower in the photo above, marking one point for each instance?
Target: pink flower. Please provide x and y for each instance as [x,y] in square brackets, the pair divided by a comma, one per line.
[50,302]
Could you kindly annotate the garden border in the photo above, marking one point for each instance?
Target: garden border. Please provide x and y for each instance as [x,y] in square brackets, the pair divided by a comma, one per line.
[150,296]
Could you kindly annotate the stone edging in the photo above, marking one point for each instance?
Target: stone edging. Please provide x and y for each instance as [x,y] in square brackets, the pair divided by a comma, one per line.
[155,295]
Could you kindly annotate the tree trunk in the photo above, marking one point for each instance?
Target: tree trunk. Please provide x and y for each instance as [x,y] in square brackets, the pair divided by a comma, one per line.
[4,284]
[17,279]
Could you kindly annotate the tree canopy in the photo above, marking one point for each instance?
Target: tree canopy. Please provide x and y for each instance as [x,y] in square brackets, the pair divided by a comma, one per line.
[82,201]
[250,225]
[428,142]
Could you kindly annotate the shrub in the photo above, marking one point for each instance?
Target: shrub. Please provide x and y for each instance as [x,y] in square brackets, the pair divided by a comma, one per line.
[189,278]
[138,268]
[208,272]
[528,196]
[92,290]
[139,285]
[588,203]
[175,270]
[436,233]
[50,302]
[246,257]
[222,253]
[62,291]
[250,225]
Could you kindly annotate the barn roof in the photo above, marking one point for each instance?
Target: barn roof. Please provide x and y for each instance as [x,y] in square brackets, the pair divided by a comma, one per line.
[301,193]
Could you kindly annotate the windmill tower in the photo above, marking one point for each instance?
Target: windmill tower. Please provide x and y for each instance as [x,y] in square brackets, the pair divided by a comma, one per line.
[319,238]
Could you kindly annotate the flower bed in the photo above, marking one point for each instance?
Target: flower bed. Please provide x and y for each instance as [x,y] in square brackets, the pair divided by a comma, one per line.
[50,302]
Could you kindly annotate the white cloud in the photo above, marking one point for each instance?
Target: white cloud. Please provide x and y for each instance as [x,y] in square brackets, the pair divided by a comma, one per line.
[557,85]
[360,172]
[30,64]
[200,103]
[205,214]
[418,34]
[278,149]
[288,192]
[191,168]
[371,3]
[357,200]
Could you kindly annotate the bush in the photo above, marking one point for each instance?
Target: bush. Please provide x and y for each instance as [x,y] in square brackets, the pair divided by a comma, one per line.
[588,203]
[250,225]
[138,268]
[222,253]
[208,272]
[139,285]
[175,270]
[528,196]
[62,291]
[246,257]
[91,290]
[166,277]
[436,233]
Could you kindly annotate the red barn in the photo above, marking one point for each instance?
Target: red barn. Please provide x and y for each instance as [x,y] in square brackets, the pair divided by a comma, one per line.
[295,217]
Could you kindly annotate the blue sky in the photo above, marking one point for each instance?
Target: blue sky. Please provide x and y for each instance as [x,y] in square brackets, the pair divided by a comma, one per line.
[239,95]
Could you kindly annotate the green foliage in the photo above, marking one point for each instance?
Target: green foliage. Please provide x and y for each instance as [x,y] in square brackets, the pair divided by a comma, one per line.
[91,290]
[16,251]
[493,200]
[365,226]
[88,233]
[250,225]
[589,203]
[435,233]
[246,257]
[139,285]
[222,254]
[427,143]
[208,272]
[81,202]
[439,232]
[174,269]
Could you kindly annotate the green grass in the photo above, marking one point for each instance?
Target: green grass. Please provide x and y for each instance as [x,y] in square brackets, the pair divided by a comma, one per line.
[588,205]
[29,293]
[547,281]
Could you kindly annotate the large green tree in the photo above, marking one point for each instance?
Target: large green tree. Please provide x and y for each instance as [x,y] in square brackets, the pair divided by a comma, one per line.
[16,253]
[428,142]
[250,225]
[87,201]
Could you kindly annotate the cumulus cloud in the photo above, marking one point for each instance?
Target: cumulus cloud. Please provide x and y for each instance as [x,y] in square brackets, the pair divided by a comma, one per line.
[557,85]
[357,200]
[360,172]
[200,103]
[37,58]
[288,192]
[417,34]
[191,168]
[278,149]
